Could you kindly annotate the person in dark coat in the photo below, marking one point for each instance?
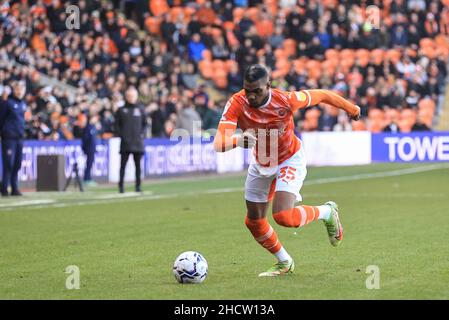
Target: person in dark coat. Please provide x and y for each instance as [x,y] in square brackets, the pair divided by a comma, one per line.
[88,144]
[12,130]
[130,127]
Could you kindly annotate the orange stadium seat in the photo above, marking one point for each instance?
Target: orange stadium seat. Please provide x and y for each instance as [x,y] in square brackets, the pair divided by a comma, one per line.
[232,39]
[188,13]
[362,53]
[391,115]
[393,55]
[289,46]
[283,67]
[407,120]
[35,76]
[299,65]
[410,52]
[427,104]
[311,119]
[175,12]
[219,65]
[429,52]
[107,135]
[358,125]
[280,54]
[426,42]
[38,44]
[264,28]
[260,53]
[153,25]
[313,68]
[363,61]
[442,51]
[228,25]
[253,13]
[206,16]
[363,57]
[405,125]
[331,54]
[442,41]
[330,4]
[375,125]
[272,6]
[207,55]
[376,120]
[347,54]
[346,65]
[315,73]
[216,32]
[426,117]
[377,56]
[230,64]
[205,67]
[376,114]
[220,78]
[330,66]
[159,7]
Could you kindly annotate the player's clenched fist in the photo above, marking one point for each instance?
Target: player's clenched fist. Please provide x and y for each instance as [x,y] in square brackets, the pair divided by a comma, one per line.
[356,116]
[246,140]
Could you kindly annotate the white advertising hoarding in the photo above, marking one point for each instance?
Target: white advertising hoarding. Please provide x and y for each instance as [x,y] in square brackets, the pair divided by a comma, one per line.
[337,148]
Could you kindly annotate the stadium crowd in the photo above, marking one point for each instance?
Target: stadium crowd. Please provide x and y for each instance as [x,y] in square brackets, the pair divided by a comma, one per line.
[187,57]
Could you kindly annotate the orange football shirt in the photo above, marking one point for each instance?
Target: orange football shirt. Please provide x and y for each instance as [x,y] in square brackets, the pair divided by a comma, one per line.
[272,123]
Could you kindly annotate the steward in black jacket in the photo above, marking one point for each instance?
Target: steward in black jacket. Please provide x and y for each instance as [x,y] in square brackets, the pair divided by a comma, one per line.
[130,122]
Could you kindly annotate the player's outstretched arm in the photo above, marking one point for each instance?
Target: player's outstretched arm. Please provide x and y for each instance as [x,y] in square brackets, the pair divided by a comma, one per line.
[226,139]
[313,97]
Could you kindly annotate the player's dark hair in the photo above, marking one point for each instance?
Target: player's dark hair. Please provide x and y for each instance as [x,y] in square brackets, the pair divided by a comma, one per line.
[255,72]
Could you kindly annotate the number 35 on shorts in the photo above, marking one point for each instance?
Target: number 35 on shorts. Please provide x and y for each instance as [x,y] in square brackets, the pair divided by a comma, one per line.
[287,174]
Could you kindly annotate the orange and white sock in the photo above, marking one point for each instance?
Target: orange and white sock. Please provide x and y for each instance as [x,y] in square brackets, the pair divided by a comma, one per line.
[265,235]
[301,215]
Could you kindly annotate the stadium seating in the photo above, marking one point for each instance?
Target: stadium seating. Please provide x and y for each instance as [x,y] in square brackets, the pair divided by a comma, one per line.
[149,47]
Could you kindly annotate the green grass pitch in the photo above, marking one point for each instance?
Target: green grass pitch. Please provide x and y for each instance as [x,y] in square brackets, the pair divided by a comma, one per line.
[395,217]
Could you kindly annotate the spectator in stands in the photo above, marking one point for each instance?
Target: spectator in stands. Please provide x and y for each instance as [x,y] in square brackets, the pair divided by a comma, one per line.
[212,115]
[188,119]
[110,53]
[419,125]
[196,48]
[392,118]
[343,123]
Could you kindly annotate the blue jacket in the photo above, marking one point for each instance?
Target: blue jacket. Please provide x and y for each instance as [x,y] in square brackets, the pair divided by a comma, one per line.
[89,139]
[12,118]
[196,50]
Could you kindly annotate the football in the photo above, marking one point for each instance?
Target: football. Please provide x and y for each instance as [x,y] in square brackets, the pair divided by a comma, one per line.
[190,267]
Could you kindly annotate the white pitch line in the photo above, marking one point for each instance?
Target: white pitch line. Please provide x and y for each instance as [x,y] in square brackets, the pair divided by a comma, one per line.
[116,197]
[382,174]
[26,203]
[120,195]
